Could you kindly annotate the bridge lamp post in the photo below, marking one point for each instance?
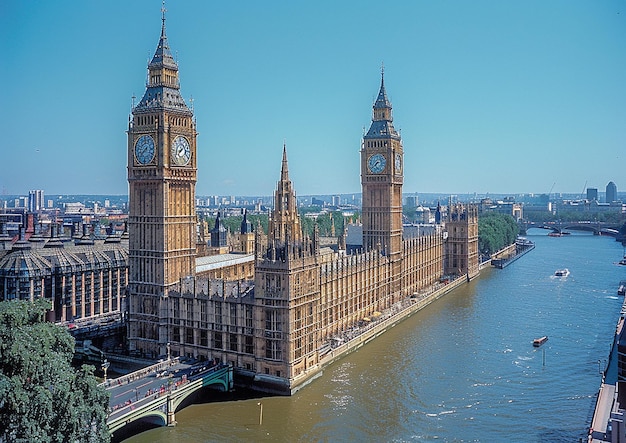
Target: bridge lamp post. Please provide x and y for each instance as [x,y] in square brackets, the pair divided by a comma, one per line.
[168,351]
[105,366]
[260,413]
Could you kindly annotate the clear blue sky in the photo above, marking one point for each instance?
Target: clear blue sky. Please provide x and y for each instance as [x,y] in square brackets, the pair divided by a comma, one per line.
[490,96]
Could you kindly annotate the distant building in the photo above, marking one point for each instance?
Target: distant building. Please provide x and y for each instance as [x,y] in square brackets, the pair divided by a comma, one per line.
[611,192]
[411,201]
[35,201]
[592,194]
[507,206]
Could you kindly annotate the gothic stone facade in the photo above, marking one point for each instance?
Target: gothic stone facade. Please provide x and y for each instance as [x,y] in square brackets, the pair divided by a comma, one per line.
[275,327]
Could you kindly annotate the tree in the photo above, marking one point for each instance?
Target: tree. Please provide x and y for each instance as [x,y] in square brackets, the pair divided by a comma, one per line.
[495,231]
[42,397]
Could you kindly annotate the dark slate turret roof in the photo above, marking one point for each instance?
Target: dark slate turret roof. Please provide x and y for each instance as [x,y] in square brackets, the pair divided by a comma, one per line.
[162,96]
[219,227]
[382,128]
[246,226]
[163,55]
[382,101]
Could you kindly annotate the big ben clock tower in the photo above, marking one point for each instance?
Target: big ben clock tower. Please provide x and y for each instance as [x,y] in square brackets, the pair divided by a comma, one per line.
[382,164]
[162,216]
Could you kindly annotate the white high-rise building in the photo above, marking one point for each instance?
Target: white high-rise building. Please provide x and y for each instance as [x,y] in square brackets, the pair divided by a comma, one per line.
[35,200]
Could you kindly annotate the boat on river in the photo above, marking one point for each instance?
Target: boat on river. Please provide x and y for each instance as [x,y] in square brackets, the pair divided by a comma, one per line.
[561,272]
[539,341]
[621,290]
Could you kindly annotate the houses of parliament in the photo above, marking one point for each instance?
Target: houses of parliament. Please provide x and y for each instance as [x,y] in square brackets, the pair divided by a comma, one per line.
[275,310]
[276,322]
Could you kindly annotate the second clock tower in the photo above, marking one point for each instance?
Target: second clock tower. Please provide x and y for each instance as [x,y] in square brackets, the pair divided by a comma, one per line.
[162,216]
[382,164]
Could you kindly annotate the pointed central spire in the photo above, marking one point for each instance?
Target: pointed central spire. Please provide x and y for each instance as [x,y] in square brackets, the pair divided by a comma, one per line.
[284,172]
[163,56]
[382,101]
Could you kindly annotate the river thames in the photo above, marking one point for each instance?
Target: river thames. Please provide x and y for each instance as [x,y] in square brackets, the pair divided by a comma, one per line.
[461,370]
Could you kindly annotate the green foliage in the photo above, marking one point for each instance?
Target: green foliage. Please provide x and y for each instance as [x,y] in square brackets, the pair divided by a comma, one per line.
[495,231]
[233,223]
[409,213]
[325,223]
[42,397]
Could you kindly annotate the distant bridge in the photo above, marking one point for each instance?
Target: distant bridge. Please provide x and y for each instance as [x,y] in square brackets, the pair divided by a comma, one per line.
[598,228]
[153,394]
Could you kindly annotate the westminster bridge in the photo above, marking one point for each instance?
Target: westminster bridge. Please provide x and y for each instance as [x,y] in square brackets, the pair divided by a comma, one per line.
[598,228]
[153,394]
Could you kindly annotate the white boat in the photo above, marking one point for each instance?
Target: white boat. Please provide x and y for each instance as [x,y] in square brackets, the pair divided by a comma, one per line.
[561,272]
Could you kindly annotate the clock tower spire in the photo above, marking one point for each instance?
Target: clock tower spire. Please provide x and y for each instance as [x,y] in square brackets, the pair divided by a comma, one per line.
[162,217]
[382,159]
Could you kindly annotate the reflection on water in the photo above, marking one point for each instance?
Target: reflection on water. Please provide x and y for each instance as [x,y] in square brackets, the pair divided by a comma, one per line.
[464,369]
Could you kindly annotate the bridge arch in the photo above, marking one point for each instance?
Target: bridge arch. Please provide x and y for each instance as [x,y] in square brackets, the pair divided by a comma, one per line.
[142,422]
[222,385]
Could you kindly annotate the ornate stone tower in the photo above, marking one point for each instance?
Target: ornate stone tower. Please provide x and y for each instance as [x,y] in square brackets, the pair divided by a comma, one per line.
[462,244]
[285,222]
[382,164]
[162,216]
[287,290]
[246,235]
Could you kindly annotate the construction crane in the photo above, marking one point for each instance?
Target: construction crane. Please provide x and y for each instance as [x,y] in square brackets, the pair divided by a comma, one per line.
[550,193]
[582,194]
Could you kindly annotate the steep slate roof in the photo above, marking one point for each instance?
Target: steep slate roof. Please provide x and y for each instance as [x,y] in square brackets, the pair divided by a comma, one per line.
[382,128]
[159,96]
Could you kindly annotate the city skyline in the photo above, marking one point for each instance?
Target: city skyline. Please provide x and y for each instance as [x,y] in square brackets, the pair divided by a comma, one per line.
[490,98]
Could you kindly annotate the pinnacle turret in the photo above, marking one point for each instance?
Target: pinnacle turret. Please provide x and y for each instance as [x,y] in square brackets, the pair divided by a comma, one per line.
[284,171]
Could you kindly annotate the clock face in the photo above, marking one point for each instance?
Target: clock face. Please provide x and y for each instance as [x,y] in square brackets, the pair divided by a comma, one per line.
[376,163]
[181,153]
[144,149]
[398,163]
